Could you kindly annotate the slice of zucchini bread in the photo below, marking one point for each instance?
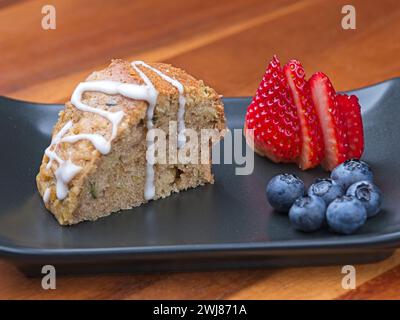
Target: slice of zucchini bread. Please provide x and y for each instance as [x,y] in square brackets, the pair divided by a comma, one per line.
[106,148]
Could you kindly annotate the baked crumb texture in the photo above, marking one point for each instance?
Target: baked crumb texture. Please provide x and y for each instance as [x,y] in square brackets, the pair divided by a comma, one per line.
[109,183]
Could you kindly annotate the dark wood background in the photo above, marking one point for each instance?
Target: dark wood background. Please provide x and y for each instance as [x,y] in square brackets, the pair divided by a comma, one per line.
[228,44]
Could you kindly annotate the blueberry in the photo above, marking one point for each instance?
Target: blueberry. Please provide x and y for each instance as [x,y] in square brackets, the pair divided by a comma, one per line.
[283,190]
[346,215]
[327,189]
[308,213]
[369,195]
[351,171]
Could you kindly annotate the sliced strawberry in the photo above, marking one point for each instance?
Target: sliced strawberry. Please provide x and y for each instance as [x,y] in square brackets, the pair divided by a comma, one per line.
[334,129]
[351,111]
[311,137]
[271,118]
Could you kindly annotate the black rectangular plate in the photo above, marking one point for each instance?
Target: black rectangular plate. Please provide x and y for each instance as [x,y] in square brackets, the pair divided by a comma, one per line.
[225,225]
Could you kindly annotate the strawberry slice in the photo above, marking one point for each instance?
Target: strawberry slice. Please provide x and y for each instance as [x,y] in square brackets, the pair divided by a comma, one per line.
[271,124]
[351,112]
[311,137]
[333,124]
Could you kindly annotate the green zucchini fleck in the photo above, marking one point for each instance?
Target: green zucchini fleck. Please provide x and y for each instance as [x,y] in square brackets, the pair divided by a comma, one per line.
[92,190]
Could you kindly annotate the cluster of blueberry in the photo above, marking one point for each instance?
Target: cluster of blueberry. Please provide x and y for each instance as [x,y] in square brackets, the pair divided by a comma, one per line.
[344,201]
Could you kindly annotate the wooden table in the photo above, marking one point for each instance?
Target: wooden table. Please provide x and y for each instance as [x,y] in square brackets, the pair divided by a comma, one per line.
[226,43]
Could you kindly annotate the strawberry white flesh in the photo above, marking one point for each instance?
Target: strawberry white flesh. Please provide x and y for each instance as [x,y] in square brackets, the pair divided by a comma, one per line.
[311,137]
[331,120]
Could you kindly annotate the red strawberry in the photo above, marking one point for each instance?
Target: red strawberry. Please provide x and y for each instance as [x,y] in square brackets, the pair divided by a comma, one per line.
[351,111]
[311,137]
[271,118]
[334,128]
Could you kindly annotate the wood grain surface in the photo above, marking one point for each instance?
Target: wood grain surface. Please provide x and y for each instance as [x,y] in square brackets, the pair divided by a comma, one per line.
[226,43]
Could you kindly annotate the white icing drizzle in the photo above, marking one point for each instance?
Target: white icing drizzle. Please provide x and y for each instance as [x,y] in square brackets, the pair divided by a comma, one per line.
[46,195]
[67,170]
[108,87]
[149,187]
[182,102]
[98,141]
[54,142]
